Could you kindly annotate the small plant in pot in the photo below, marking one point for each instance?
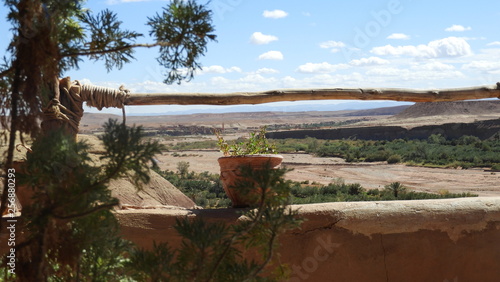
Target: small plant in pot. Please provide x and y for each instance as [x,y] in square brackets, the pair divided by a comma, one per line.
[255,153]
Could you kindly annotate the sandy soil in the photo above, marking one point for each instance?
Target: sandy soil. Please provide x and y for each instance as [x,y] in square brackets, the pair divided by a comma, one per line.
[369,175]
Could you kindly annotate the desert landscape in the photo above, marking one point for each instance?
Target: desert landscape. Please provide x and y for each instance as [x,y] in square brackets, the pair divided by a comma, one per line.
[482,182]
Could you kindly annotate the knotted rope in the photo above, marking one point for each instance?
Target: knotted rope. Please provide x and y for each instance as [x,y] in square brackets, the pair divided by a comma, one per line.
[99,97]
[75,94]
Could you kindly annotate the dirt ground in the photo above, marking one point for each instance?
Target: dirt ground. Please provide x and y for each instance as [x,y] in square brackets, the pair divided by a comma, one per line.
[369,175]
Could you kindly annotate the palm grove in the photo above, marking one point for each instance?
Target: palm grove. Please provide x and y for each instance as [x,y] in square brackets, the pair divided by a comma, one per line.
[69,231]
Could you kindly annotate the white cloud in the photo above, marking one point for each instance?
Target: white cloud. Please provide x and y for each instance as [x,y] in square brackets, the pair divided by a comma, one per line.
[451,47]
[334,46]
[256,78]
[321,67]
[485,66]
[325,80]
[266,71]
[411,75]
[275,14]
[214,69]
[147,86]
[219,80]
[390,71]
[398,36]
[473,38]
[432,66]
[219,69]
[371,61]
[446,47]
[289,79]
[249,82]
[234,69]
[494,43]
[409,50]
[457,27]
[271,55]
[260,38]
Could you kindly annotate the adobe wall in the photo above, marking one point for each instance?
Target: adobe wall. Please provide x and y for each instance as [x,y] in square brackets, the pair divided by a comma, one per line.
[427,240]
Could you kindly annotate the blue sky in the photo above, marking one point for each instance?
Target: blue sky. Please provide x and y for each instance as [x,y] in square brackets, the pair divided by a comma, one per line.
[274,44]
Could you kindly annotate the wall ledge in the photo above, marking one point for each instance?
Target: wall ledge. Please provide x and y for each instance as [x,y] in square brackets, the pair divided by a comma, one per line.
[456,216]
[420,240]
[453,216]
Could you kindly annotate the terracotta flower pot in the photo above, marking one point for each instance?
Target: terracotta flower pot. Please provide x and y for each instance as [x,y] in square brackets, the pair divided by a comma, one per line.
[230,173]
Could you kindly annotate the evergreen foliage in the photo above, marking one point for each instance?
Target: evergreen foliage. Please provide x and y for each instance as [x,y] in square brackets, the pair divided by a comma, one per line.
[216,251]
[74,236]
[186,28]
[51,37]
[71,232]
[105,34]
[70,219]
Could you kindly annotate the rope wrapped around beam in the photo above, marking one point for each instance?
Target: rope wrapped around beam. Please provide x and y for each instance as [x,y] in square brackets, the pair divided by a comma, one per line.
[69,107]
[100,97]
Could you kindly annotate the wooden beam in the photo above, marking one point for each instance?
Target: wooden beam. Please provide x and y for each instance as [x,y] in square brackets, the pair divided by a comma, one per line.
[237,98]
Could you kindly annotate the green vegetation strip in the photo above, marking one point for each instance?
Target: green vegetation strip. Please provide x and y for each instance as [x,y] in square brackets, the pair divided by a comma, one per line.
[205,189]
[435,151]
[465,152]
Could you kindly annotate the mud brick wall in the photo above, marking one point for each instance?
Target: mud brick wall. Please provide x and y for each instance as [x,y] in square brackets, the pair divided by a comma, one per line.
[427,240]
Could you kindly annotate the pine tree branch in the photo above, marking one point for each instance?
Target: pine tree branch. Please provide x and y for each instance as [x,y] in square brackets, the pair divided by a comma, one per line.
[115,172]
[6,72]
[267,260]
[117,49]
[236,236]
[270,244]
